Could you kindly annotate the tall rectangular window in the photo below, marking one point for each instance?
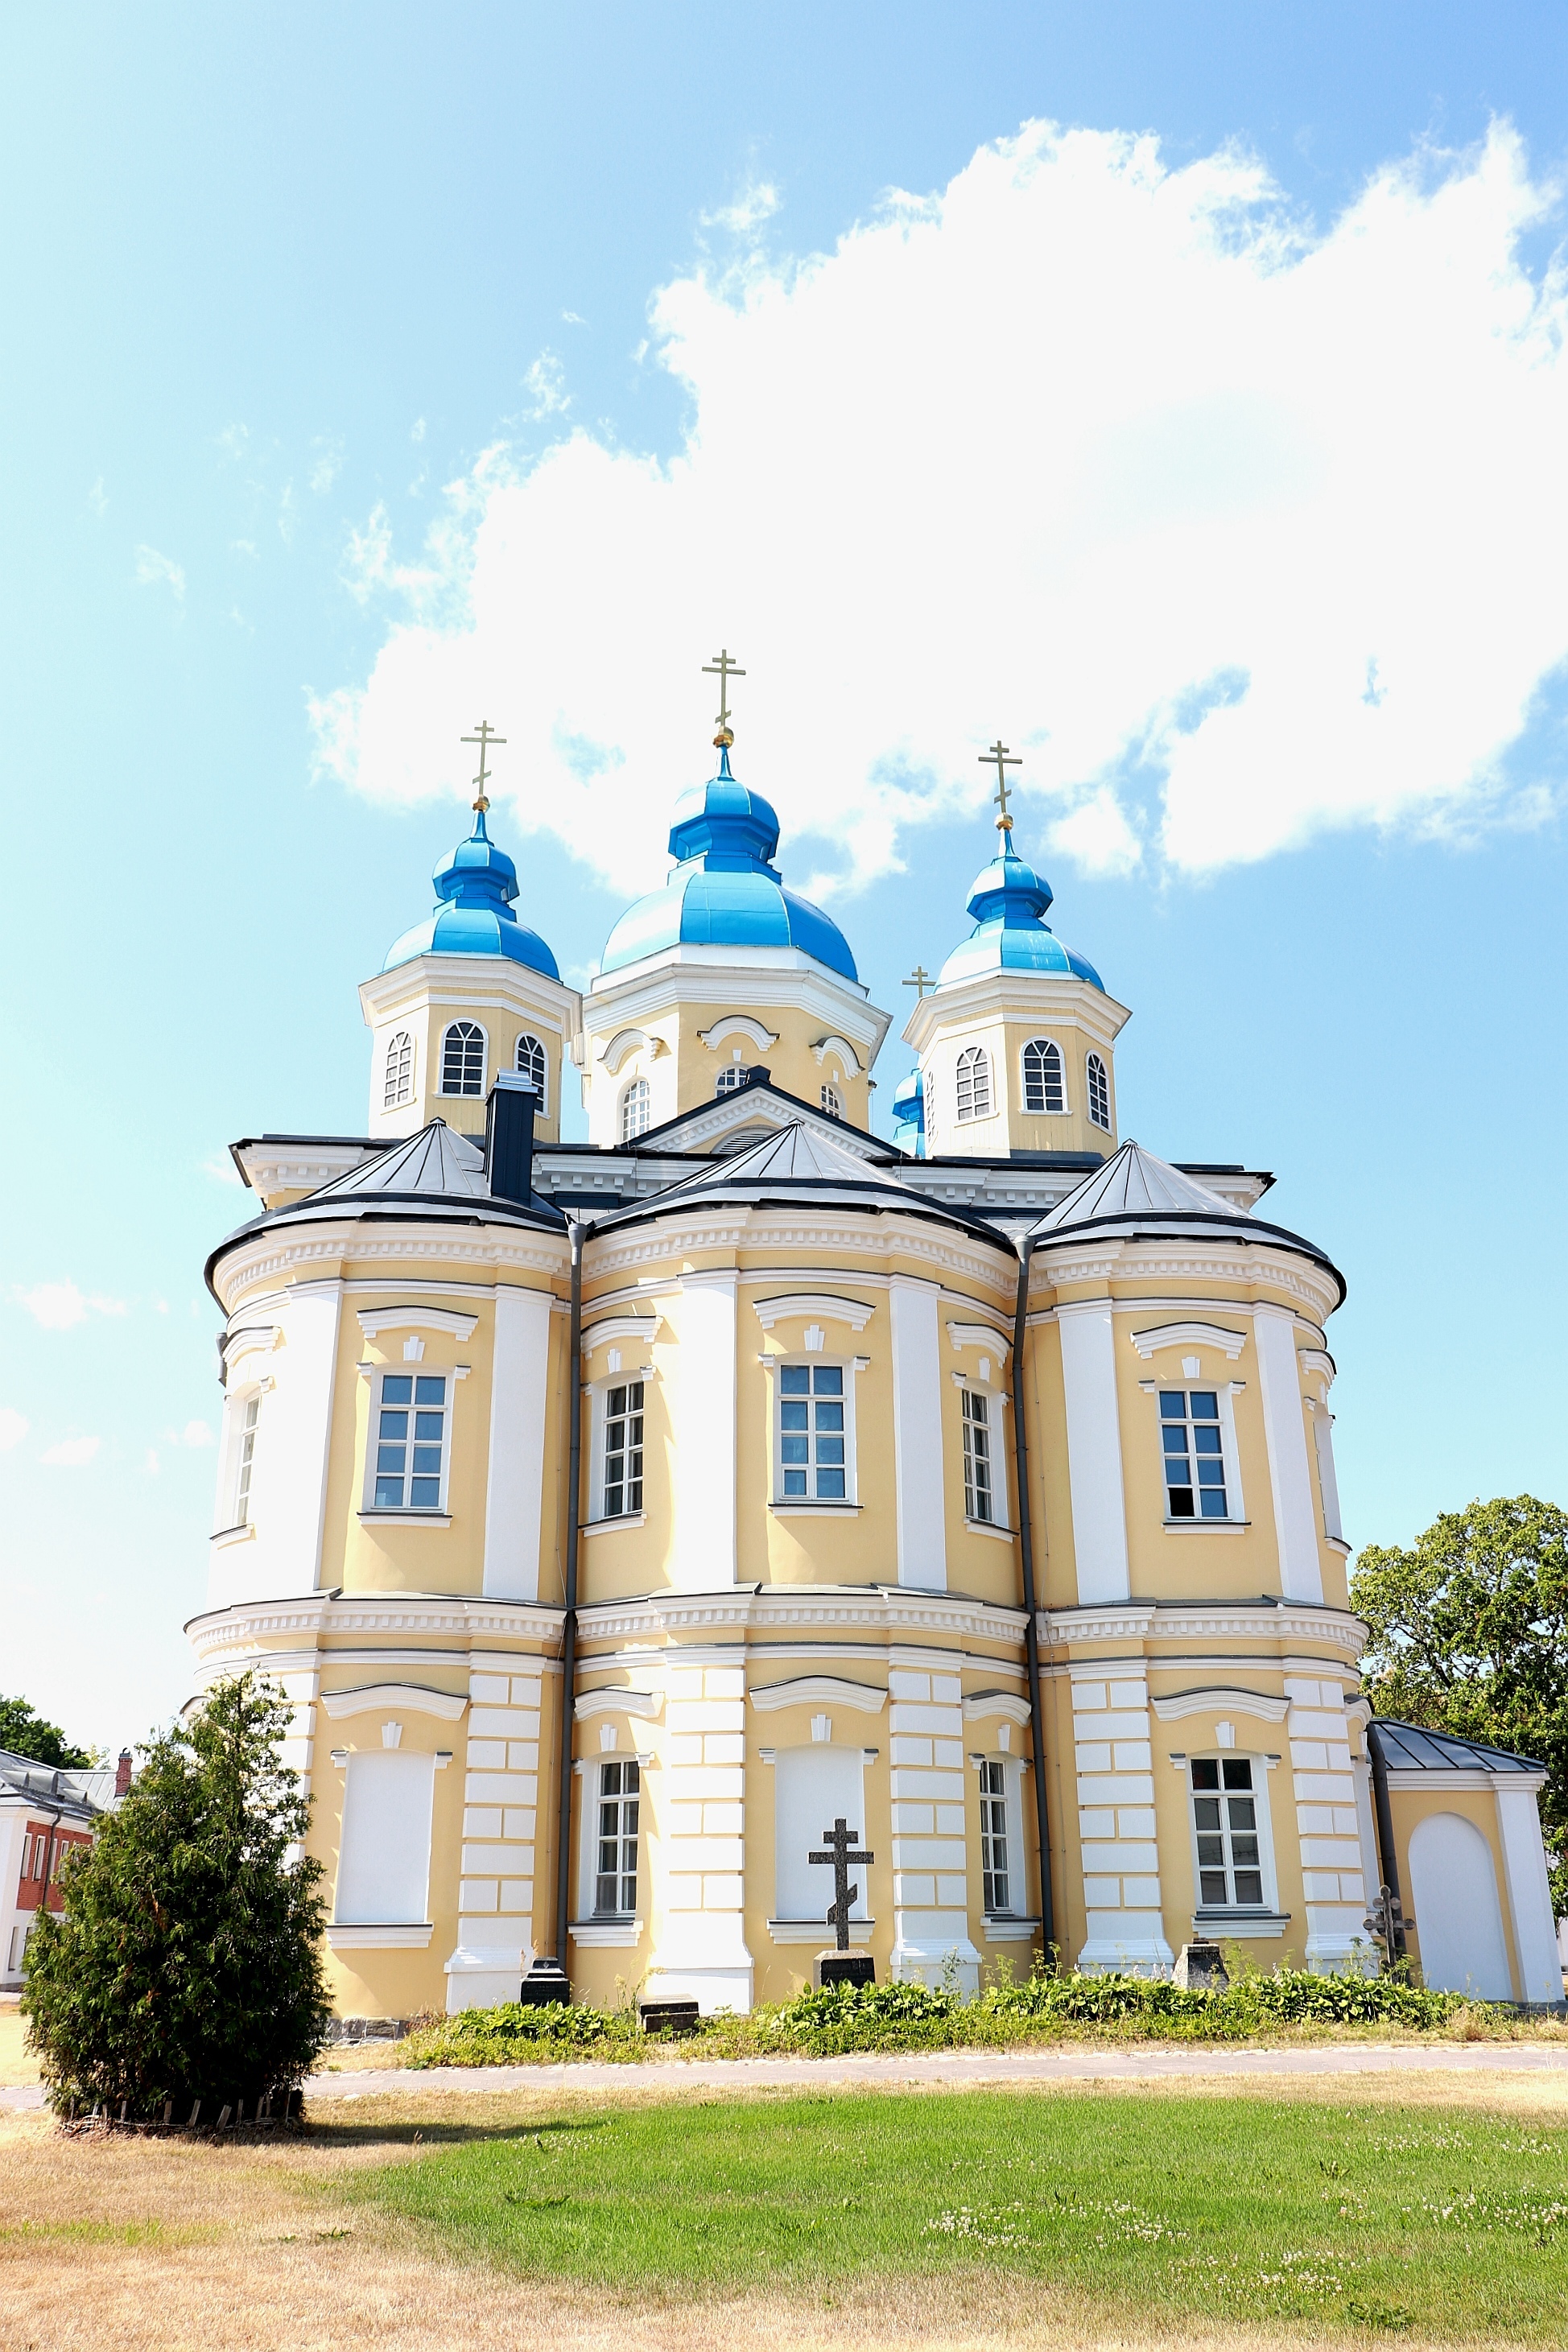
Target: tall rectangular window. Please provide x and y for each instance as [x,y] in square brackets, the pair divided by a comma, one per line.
[616,1862]
[246,1451]
[1224,1823]
[994,1877]
[812,1462]
[977,1502]
[410,1441]
[622,1449]
[1194,1454]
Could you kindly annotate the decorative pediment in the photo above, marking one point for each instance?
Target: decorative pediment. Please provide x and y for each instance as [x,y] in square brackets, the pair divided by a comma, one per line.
[812,1303]
[983,1336]
[409,1698]
[737,1024]
[817,1690]
[374,1320]
[1188,1335]
[612,1699]
[842,1047]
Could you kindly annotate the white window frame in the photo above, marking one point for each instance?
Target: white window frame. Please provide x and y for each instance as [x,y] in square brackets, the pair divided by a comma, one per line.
[599,1407]
[411,1512]
[591,1771]
[1091,1063]
[396,1096]
[535,1052]
[247,1421]
[832,1102]
[636,1091]
[730,1079]
[997,1454]
[1222,1912]
[1043,1110]
[464,1094]
[1012,1771]
[1230,1452]
[973,1069]
[930,1092]
[849,1366]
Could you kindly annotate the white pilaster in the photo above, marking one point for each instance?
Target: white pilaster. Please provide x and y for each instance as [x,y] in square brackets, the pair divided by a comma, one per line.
[1094,1451]
[500,1814]
[1327,1479]
[514,1494]
[704,1408]
[920,1486]
[1290,1474]
[289,1472]
[1529,1896]
[1328,1823]
[700,1931]
[1115,1760]
[931,1888]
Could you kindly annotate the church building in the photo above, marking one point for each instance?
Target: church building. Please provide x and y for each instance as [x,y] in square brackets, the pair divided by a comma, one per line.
[619,1514]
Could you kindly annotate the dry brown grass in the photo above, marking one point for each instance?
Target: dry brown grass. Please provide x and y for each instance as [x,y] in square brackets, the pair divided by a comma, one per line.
[122,2245]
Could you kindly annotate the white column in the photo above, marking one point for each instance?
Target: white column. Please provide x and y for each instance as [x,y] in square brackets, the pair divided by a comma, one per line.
[703,1412]
[293,1447]
[920,1486]
[1290,1474]
[930,1890]
[1328,1822]
[1094,1452]
[514,1494]
[1114,1754]
[698,1892]
[1529,1896]
[501,1816]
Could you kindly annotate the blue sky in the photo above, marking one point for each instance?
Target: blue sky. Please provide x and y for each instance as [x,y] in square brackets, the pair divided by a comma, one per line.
[367,363]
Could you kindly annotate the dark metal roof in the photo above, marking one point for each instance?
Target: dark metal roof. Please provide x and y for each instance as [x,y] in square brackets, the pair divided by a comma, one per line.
[1408,1748]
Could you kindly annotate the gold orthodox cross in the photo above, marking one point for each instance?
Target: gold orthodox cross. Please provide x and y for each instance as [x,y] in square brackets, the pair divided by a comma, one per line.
[920,979]
[723,669]
[484,738]
[1001,760]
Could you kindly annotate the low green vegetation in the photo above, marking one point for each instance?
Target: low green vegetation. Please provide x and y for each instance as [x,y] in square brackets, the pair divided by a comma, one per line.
[911,2017]
[1376,2219]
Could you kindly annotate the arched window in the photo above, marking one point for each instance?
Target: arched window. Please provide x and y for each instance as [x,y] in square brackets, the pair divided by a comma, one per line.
[636,1111]
[1098,1089]
[463,1059]
[1043,1088]
[531,1065]
[399,1087]
[730,1079]
[930,1108]
[832,1102]
[973,1086]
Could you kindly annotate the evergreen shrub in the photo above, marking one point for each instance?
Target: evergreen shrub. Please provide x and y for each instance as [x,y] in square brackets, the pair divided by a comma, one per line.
[184,1964]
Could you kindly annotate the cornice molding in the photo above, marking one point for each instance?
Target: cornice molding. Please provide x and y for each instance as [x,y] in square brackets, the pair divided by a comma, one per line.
[816,1690]
[1188,1335]
[1220,1697]
[374,1320]
[1260,1264]
[611,1328]
[980,1335]
[614,1699]
[980,1706]
[1135,1621]
[895,1610]
[801,1303]
[287,1256]
[324,1616]
[413,1698]
[737,1024]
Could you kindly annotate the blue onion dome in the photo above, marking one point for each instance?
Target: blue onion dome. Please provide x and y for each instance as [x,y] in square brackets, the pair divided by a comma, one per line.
[909,1114]
[475,886]
[724,891]
[1008,902]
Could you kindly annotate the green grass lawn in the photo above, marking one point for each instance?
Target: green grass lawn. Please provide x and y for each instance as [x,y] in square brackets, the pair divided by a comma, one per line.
[1452,2224]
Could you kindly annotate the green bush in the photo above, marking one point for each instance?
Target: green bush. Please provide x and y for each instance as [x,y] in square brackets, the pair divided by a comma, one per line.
[513,2033]
[184,1963]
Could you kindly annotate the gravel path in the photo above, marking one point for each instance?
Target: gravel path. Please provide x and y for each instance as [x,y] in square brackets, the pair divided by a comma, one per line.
[949,2069]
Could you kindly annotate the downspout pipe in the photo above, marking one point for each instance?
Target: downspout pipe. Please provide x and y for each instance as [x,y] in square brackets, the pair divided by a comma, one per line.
[1387,1856]
[1031,1614]
[569,1622]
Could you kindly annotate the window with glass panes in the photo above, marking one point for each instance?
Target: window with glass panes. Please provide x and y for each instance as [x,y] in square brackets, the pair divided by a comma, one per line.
[1098,1087]
[993,1879]
[1194,1454]
[1043,1088]
[977,1502]
[622,1449]
[463,1059]
[1225,1823]
[616,1859]
[410,1440]
[246,1452]
[811,1464]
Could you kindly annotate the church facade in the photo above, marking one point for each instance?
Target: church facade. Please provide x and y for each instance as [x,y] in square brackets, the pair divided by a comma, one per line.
[619,1514]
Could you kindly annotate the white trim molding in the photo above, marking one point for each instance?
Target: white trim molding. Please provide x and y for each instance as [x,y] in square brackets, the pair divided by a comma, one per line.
[411,1697]
[381,1939]
[625,1042]
[817,1690]
[853,1311]
[980,1706]
[374,1320]
[833,1044]
[1188,1335]
[1222,1697]
[817,1931]
[594,1934]
[610,1698]
[619,1326]
[739,1024]
[981,1335]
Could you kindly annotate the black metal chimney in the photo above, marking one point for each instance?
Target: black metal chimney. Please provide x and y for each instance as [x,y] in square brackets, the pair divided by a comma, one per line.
[509,1137]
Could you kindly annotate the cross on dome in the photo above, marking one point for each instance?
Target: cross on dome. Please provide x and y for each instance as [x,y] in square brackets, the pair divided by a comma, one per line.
[484,738]
[723,667]
[1001,760]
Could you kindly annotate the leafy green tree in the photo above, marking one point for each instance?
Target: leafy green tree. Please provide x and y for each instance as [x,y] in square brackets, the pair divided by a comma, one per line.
[1469,1634]
[24,1732]
[184,1964]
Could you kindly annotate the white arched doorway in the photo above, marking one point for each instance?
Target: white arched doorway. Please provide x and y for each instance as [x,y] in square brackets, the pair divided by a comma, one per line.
[1454,1897]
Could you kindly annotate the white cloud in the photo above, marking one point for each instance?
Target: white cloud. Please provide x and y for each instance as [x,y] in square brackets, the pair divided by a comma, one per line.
[417,432]
[97,497]
[195,1434]
[1123,462]
[14,1427]
[150,1464]
[546,382]
[219,1165]
[60,1306]
[328,465]
[154,571]
[71,1453]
